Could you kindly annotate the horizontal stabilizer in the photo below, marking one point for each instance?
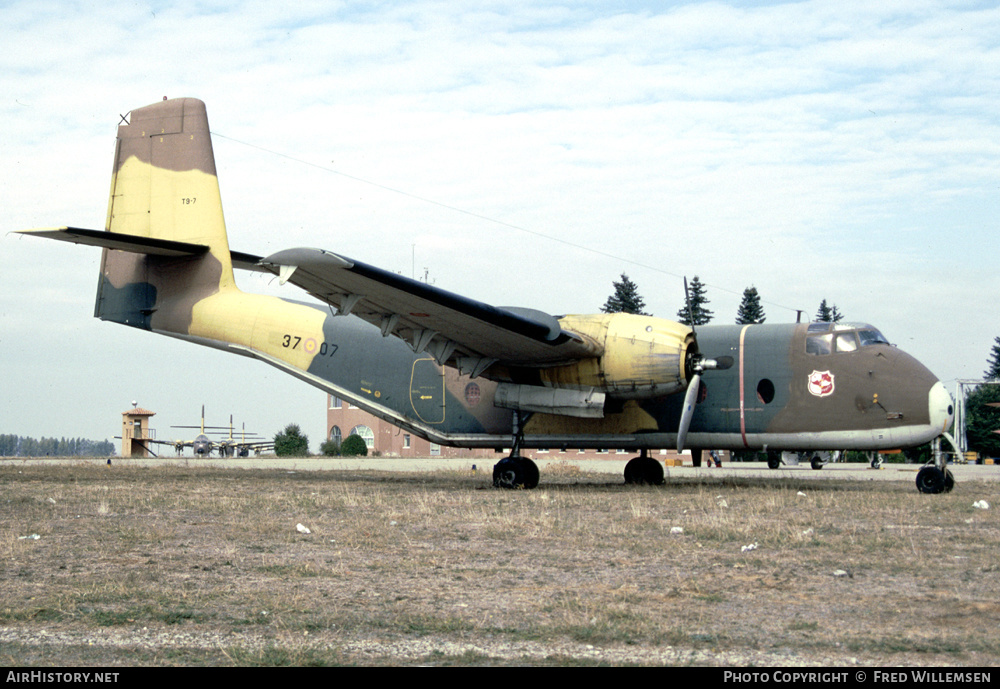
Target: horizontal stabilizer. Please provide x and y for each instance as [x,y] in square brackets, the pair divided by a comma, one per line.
[137,245]
[118,241]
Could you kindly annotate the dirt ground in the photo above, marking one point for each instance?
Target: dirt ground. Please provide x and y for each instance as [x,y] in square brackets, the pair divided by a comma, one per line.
[196,565]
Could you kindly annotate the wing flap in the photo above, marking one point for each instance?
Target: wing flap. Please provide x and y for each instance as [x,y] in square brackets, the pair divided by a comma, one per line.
[470,334]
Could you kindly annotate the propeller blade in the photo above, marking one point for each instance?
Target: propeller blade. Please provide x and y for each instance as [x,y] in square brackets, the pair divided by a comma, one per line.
[690,399]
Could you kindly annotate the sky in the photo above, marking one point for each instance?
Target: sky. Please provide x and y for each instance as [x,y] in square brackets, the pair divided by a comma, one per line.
[519,153]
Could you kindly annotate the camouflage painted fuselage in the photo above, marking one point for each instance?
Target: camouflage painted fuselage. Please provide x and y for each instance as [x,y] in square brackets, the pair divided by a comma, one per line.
[777,393]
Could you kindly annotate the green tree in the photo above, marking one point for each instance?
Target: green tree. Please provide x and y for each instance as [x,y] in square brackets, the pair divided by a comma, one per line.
[291,442]
[330,448]
[828,314]
[354,446]
[981,420]
[750,310]
[14,446]
[625,298]
[993,370]
[696,295]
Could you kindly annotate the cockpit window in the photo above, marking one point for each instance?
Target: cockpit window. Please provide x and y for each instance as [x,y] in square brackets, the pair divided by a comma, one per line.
[845,337]
[871,336]
[819,344]
[846,342]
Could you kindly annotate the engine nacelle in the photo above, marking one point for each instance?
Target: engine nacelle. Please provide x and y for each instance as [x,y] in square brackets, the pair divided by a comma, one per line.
[643,356]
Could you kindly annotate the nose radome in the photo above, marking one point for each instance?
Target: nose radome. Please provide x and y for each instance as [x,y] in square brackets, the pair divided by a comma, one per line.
[941,406]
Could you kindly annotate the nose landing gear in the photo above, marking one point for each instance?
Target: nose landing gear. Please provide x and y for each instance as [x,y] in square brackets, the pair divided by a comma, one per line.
[935,477]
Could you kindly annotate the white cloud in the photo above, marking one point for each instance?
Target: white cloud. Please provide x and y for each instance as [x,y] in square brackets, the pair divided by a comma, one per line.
[844,151]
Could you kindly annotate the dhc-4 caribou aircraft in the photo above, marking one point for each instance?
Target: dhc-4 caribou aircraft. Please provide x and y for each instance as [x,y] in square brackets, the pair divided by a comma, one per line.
[202,445]
[463,373]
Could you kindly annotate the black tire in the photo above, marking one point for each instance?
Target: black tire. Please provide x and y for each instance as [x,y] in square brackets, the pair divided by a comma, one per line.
[931,480]
[949,481]
[773,459]
[644,471]
[816,462]
[515,472]
[531,475]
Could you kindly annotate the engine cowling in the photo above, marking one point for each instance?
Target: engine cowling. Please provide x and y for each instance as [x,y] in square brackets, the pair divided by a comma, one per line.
[643,357]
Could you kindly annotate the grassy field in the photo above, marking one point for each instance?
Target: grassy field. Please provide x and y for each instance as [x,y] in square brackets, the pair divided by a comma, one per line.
[179,566]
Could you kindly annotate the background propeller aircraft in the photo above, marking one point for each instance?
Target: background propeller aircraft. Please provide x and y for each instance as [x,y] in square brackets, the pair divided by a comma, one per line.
[244,445]
[463,373]
[203,445]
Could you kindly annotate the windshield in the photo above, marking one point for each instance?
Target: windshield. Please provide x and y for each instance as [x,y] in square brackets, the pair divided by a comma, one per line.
[845,337]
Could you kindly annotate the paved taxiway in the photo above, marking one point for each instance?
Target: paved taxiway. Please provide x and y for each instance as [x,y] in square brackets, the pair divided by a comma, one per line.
[612,466]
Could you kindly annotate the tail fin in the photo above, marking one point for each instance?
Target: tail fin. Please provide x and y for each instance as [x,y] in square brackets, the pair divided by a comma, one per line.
[164,187]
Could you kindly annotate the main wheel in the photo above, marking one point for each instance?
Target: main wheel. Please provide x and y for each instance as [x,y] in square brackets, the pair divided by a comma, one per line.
[773,459]
[644,471]
[816,462]
[515,472]
[932,480]
[949,481]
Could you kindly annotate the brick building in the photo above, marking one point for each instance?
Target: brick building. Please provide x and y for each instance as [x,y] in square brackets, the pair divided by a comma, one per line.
[344,419]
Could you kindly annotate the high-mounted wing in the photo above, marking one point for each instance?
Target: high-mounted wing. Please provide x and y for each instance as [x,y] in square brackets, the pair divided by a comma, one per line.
[468,334]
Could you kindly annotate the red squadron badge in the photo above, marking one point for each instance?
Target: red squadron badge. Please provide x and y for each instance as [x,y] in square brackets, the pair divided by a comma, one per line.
[821,383]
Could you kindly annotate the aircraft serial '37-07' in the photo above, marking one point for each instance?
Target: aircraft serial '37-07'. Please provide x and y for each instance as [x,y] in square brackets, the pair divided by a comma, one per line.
[463,373]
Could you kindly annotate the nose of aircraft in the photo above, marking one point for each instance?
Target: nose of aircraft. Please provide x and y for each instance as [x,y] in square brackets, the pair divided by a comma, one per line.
[942,408]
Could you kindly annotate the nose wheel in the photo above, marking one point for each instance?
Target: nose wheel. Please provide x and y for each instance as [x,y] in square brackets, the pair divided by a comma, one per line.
[930,479]
[935,477]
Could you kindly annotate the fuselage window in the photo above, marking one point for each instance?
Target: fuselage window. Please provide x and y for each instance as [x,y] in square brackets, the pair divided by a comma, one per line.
[765,391]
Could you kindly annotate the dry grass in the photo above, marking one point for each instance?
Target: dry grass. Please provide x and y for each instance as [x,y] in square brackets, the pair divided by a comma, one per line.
[182,565]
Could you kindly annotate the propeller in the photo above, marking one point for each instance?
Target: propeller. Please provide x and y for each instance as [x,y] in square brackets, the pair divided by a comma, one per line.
[696,365]
[690,399]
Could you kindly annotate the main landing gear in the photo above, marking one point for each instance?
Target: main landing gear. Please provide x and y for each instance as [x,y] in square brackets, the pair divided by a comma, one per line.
[515,471]
[644,470]
[817,459]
